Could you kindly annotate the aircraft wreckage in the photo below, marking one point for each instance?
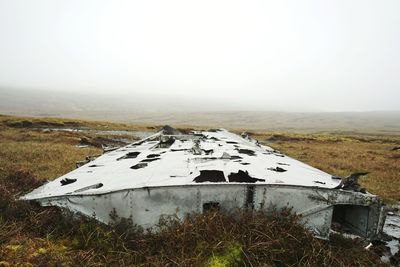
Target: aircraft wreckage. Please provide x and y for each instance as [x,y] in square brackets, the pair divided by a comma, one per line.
[171,173]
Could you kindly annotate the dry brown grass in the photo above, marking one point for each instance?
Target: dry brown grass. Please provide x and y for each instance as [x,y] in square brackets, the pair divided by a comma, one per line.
[44,122]
[34,236]
[341,155]
[46,155]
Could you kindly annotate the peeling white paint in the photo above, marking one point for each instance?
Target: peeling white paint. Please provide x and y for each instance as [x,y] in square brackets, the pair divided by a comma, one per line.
[156,177]
[184,166]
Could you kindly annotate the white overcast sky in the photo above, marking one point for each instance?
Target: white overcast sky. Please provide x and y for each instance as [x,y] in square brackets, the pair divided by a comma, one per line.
[341,55]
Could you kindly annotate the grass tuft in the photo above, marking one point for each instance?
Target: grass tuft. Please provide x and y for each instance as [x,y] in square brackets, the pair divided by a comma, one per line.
[232,256]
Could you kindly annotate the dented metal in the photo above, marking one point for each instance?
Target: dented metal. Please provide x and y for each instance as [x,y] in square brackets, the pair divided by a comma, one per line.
[173,174]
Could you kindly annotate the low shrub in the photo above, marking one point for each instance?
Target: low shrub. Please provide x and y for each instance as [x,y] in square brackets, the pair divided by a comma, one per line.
[39,236]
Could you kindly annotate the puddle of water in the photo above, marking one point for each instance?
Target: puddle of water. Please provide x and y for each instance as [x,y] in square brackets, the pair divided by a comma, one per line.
[392,228]
[136,134]
[394,246]
[392,225]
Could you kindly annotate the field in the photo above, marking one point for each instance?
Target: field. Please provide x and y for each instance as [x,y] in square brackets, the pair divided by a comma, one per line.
[342,154]
[34,236]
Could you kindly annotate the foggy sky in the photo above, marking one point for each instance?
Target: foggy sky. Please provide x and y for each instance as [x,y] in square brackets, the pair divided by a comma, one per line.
[253,55]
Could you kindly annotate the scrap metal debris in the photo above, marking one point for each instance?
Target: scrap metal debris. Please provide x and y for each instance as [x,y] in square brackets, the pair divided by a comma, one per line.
[168,130]
[351,182]
[174,173]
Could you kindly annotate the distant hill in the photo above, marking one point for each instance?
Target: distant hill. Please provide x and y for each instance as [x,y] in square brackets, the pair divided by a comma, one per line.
[380,122]
[165,111]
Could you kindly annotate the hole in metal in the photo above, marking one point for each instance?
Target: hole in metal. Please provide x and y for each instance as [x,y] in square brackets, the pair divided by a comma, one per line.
[243,177]
[130,155]
[277,169]
[139,166]
[66,181]
[210,176]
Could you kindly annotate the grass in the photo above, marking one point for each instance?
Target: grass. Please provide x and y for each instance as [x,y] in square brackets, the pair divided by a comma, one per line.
[46,155]
[44,122]
[342,154]
[35,236]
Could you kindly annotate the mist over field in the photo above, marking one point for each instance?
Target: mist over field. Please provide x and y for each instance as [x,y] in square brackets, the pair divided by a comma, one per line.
[144,61]
[155,110]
